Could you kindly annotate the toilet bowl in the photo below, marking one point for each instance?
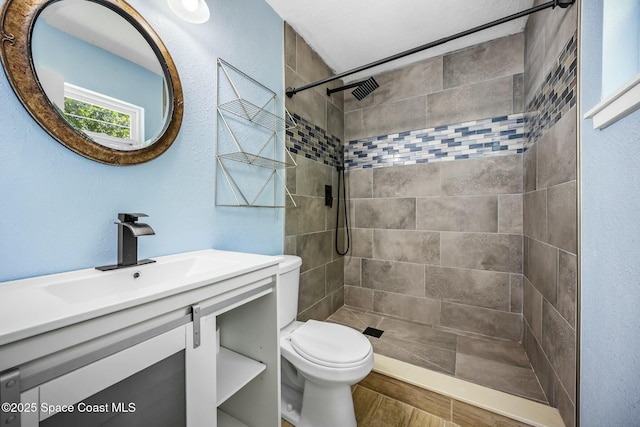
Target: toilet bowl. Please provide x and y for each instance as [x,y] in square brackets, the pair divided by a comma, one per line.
[320,361]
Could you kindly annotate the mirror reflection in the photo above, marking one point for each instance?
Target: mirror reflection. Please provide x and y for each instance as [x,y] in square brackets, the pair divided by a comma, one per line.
[101,74]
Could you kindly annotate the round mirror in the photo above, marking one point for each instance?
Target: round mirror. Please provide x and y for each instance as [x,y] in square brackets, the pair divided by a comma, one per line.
[94,75]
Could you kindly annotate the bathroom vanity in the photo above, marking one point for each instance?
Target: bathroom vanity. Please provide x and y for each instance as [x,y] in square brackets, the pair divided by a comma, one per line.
[138,346]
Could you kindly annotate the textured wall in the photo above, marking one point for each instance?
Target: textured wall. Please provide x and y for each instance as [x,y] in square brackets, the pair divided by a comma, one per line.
[58,208]
[610,278]
[550,205]
[316,145]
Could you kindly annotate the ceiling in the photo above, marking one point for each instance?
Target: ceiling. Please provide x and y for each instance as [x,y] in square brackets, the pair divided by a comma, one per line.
[351,33]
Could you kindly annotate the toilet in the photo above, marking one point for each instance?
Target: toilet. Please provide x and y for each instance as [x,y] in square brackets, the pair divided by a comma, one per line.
[320,360]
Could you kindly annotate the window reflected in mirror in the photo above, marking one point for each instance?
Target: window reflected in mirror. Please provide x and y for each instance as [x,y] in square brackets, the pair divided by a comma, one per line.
[108,121]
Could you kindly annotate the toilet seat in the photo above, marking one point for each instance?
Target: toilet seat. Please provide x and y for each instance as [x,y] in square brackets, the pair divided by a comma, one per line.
[330,344]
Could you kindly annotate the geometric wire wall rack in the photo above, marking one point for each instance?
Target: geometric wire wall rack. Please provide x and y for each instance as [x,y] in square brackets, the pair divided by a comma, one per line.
[250,149]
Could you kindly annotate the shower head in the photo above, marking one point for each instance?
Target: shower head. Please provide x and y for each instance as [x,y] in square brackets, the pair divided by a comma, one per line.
[361,90]
[365,88]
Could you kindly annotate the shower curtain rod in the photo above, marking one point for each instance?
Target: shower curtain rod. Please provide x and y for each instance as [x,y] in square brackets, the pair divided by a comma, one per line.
[553,3]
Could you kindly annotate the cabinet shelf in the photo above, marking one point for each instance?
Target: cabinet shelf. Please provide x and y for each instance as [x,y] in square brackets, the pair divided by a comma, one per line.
[226,420]
[234,371]
[251,112]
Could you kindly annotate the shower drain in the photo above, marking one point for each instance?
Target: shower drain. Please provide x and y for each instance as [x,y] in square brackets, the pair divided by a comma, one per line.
[373,332]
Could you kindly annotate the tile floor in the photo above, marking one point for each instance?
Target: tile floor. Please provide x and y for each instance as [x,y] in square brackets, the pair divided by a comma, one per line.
[498,364]
[376,410]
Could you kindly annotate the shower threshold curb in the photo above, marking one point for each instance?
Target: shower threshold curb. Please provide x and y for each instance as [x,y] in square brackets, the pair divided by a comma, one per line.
[514,407]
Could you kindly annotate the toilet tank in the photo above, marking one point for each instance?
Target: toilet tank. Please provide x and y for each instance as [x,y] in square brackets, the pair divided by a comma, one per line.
[288,285]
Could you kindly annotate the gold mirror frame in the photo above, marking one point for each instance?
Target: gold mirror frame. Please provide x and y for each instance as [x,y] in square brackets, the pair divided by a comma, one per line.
[17,20]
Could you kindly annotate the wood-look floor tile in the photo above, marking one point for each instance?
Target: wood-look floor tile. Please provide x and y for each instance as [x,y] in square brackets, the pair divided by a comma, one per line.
[365,402]
[417,397]
[389,413]
[424,419]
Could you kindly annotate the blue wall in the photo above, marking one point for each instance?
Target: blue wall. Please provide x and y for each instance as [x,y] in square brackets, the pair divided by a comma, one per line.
[610,250]
[57,208]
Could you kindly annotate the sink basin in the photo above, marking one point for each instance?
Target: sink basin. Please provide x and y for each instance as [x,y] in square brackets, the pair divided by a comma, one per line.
[138,279]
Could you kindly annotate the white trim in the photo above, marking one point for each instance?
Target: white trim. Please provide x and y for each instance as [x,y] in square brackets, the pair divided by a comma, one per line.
[622,102]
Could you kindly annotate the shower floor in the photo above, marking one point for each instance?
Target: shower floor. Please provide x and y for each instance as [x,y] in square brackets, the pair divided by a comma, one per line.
[497,364]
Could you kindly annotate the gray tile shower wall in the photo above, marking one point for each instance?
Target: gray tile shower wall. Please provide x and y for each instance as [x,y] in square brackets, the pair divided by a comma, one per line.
[310,234]
[550,205]
[316,145]
[446,250]
[302,66]
[480,82]
[435,182]
[556,96]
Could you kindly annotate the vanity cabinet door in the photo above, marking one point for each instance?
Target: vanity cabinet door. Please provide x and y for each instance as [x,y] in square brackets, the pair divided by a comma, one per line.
[161,382]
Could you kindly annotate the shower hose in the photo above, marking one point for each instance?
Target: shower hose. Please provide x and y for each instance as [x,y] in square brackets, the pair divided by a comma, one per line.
[346,216]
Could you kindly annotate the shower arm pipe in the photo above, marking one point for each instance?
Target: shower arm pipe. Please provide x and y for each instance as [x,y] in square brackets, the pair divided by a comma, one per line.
[553,3]
[341,88]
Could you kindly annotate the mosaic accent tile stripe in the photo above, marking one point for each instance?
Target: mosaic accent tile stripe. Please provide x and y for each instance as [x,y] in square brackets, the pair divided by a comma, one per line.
[479,138]
[510,134]
[556,96]
[313,142]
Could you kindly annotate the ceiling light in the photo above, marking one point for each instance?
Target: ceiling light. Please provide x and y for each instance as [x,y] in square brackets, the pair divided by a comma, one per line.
[195,11]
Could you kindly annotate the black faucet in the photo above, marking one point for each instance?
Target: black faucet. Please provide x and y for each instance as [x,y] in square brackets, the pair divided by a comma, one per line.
[128,232]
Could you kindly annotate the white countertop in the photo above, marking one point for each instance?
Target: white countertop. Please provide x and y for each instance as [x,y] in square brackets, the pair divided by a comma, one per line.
[41,304]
